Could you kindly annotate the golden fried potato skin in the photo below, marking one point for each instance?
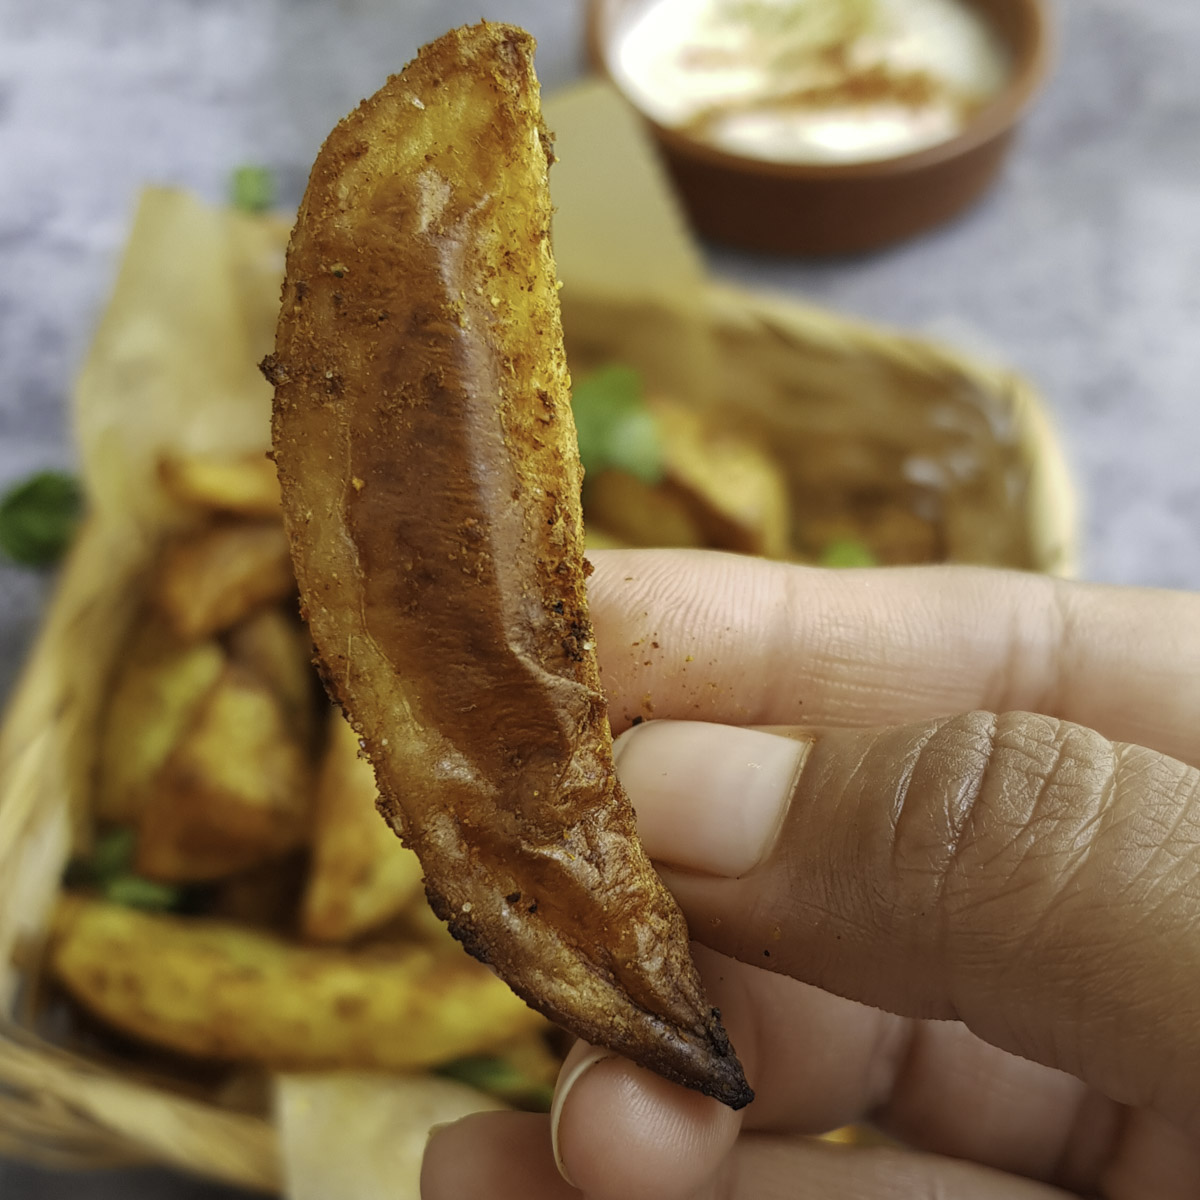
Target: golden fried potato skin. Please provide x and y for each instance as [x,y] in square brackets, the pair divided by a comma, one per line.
[275,646]
[160,685]
[361,876]
[430,479]
[246,486]
[209,580]
[235,791]
[218,990]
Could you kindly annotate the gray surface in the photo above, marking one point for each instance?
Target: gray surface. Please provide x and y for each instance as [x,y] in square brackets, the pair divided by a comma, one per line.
[1083,268]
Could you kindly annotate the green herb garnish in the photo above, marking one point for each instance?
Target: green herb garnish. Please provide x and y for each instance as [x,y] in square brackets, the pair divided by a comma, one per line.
[498,1077]
[135,892]
[109,869]
[38,518]
[112,855]
[615,427]
[848,552]
[253,189]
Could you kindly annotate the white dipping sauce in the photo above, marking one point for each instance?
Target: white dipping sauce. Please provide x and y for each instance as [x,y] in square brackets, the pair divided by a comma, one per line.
[809,81]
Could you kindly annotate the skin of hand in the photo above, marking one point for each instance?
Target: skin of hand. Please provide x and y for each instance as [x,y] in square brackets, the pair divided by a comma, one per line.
[936,832]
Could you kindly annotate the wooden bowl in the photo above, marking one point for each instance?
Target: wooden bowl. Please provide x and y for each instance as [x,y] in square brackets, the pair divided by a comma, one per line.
[844,208]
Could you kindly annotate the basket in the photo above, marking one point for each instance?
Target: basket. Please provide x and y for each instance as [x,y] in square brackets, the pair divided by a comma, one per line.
[172,366]
[857,414]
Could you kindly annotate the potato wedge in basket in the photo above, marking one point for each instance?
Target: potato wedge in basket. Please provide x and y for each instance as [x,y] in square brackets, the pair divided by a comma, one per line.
[245,485]
[210,580]
[274,646]
[159,686]
[361,875]
[218,990]
[236,789]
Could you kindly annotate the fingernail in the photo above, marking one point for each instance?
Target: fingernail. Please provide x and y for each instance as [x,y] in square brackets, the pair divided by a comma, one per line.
[577,1064]
[709,798]
[435,1129]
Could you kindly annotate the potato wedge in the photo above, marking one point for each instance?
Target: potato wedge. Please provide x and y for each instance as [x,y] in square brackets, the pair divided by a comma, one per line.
[639,513]
[210,580]
[430,477]
[160,685]
[361,874]
[718,490]
[735,492]
[419,923]
[216,990]
[235,791]
[276,647]
[245,486]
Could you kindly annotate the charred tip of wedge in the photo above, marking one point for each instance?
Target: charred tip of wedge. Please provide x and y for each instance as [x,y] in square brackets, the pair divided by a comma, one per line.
[718,1074]
[703,1061]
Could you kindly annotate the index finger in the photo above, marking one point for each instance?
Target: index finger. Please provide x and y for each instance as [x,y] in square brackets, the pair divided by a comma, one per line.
[694,635]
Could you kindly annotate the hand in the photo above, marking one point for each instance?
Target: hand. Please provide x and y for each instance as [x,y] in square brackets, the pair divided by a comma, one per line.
[1016,897]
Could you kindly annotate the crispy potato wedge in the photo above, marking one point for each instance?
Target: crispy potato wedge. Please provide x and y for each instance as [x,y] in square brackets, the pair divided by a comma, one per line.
[209,580]
[430,478]
[361,875]
[216,990]
[160,685]
[718,490]
[275,646]
[245,486]
[235,791]
[735,492]
[640,513]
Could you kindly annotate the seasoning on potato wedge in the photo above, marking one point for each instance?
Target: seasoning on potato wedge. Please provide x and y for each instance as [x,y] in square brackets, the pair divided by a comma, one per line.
[430,480]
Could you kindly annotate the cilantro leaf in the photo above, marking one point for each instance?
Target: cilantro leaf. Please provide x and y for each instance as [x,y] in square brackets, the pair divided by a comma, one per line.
[848,552]
[252,189]
[38,518]
[109,869]
[112,855]
[135,892]
[614,426]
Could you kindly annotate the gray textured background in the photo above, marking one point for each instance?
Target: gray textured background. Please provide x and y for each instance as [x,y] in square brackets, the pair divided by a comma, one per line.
[1082,268]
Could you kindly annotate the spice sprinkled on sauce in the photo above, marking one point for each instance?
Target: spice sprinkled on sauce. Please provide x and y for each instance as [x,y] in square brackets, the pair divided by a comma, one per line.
[817,81]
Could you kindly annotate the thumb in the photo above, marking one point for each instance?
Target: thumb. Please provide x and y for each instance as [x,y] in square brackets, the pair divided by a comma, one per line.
[1018,873]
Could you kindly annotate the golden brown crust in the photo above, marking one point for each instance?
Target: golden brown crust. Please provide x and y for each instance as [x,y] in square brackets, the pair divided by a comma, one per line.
[426,451]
